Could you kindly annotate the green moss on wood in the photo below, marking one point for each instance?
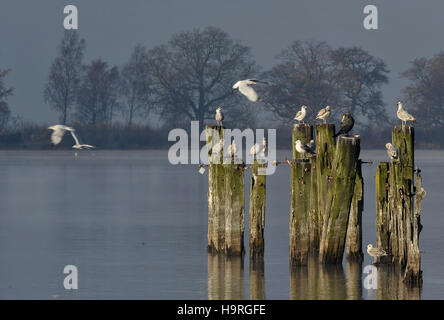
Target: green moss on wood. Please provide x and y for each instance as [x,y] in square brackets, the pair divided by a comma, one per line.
[257,210]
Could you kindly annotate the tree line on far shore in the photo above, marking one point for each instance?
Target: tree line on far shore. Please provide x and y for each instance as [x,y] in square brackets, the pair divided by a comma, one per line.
[192,74]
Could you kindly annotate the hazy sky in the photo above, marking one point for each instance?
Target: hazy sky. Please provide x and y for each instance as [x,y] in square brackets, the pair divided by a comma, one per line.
[31,30]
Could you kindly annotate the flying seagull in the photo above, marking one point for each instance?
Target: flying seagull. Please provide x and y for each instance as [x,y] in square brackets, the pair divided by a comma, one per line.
[403,115]
[347,124]
[58,132]
[301,114]
[375,253]
[219,115]
[323,114]
[305,148]
[392,151]
[244,87]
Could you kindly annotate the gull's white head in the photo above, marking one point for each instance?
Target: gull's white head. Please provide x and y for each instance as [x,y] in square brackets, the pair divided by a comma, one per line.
[388,145]
[298,142]
[327,108]
[304,107]
[369,246]
[218,109]
[399,104]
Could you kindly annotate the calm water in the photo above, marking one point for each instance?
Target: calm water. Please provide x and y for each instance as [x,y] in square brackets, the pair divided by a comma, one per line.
[135,227]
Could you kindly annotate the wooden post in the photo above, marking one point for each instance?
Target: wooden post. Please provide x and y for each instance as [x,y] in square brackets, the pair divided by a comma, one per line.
[325,151]
[235,209]
[257,209]
[382,212]
[401,193]
[216,192]
[339,199]
[354,229]
[300,199]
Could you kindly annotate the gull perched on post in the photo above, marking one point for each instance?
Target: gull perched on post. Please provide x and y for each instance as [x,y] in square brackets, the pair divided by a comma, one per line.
[300,115]
[232,149]
[58,132]
[244,87]
[323,114]
[375,253]
[391,151]
[305,148]
[219,115]
[403,115]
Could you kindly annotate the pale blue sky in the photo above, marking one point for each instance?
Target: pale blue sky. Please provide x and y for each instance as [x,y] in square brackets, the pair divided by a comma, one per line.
[31,30]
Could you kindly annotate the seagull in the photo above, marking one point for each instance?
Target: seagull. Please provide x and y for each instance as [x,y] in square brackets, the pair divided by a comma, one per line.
[58,133]
[217,147]
[375,252]
[403,115]
[244,87]
[232,149]
[392,151]
[219,115]
[301,114]
[305,148]
[323,114]
[254,149]
[347,124]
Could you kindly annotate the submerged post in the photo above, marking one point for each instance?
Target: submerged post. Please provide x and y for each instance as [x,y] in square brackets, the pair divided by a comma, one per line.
[300,198]
[216,191]
[235,209]
[354,229]
[339,199]
[257,209]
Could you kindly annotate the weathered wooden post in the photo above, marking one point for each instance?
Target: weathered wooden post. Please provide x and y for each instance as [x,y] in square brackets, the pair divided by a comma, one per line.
[216,191]
[257,209]
[339,199]
[382,208]
[300,198]
[354,229]
[325,151]
[235,209]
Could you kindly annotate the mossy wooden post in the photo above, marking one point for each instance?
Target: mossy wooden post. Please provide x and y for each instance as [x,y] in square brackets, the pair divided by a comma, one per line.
[339,200]
[216,192]
[300,198]
[382,208]
[258,184]
[401,192]
[354,229]
[413,273]
[325,151]
[235,209]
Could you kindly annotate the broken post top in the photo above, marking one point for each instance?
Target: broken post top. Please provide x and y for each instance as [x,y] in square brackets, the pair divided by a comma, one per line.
[403,139]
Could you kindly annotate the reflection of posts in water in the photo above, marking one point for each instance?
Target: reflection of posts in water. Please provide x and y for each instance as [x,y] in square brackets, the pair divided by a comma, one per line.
[391,285]
[353,280]
[257,279]
[225,277]
[317,281]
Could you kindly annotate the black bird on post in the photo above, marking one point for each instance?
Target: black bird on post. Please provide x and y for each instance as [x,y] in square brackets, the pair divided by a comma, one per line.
[347,124]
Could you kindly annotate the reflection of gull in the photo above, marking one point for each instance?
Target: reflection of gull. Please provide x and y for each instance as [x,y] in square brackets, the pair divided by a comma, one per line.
[301,114]
[244,87]
[403,115]
[323,114]
[375,252]
[392,151]
[219,115]
[305,148]
[58,131]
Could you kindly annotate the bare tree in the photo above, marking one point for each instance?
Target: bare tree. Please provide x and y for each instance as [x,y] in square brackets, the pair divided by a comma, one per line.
[360,76]
[425,93]
[98,94]
[5,92]
[64,76]
[304,76]
[194,73]
[135,85]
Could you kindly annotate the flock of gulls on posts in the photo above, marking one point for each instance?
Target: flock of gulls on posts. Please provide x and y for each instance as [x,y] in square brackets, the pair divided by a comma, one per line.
[347,123]
[244,87]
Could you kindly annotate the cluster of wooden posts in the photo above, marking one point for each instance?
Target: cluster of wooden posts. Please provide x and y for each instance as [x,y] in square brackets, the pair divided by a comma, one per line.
[326,202]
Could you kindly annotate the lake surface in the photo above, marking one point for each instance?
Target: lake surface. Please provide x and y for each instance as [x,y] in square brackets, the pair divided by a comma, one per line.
[135,227]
